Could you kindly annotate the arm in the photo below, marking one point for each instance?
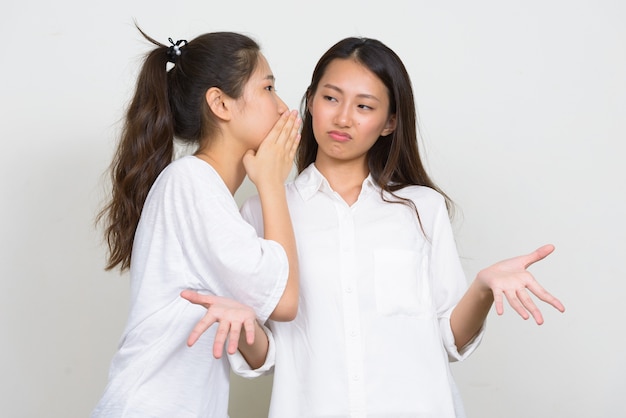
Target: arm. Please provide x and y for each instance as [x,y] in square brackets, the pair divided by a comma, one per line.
[268,169]
[232,316]
[509,278]
[277,226]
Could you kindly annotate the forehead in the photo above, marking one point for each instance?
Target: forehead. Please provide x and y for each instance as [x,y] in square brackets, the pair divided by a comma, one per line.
[262,62]
[262,69]
[351,76]
[259,78]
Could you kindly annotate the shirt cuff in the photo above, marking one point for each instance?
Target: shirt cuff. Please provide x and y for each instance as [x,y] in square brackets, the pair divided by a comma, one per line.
[455,354]
[241,367]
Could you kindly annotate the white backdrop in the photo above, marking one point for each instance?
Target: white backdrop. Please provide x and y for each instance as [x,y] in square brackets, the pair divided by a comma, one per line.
[523,111]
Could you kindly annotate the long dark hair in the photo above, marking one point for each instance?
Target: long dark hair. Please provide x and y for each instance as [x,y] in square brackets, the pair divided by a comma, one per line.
[395,162]
[167,104]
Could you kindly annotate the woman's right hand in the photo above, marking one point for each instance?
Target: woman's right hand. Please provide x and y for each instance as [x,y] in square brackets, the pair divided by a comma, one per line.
[273,161]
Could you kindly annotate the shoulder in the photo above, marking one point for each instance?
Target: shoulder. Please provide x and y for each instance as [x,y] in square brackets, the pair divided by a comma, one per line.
[422,195]
[188,171]
[431,207]
[190,178]
[187,165]
[430,204]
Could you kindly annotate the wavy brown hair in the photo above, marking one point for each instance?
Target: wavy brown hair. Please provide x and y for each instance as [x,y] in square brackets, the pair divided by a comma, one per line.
[168,104]
[395,162]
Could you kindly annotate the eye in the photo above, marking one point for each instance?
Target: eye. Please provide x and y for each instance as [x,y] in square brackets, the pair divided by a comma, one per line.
[329,98]
[270,88]
[366,107]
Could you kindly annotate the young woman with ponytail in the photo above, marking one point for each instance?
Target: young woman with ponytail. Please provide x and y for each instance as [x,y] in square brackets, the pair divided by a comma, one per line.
[176,226]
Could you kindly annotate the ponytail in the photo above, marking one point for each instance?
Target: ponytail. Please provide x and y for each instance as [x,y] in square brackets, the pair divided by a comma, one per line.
[145,149]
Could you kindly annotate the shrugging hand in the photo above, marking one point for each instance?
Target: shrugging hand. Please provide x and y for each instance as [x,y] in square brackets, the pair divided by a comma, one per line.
[273,161]
[230,314]
[511,279]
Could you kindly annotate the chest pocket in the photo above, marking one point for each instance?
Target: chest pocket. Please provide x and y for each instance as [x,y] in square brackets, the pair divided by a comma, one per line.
[402,283]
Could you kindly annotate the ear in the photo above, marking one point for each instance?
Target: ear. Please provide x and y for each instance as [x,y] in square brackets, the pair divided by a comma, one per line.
[309,100]
[218,103]
[390,126]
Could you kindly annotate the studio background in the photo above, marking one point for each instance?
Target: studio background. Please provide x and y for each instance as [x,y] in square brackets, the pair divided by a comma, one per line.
[522,107]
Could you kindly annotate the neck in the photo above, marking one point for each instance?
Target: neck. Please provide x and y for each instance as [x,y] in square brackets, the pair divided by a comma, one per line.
[229,166]
[345,178]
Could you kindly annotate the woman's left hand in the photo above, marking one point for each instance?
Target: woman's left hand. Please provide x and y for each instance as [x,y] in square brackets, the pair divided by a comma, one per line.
[511,279]
[230,314]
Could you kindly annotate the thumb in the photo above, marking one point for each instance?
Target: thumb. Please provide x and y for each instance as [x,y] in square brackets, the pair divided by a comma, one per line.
[197,298]
[248,156]
[539,254]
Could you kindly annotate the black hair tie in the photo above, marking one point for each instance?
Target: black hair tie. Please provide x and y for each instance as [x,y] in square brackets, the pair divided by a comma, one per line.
[174,51]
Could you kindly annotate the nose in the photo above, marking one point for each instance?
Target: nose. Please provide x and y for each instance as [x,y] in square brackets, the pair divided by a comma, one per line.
[282,106]
[343,117]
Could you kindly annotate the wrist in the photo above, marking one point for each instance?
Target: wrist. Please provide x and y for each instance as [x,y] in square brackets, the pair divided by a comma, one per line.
[271,188]
[480,286]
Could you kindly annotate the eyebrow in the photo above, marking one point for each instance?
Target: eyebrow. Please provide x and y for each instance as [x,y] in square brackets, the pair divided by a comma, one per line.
[270,77]
[362,95]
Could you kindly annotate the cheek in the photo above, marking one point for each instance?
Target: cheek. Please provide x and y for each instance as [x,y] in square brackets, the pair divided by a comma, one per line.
[266,121]
[318,109]
[319,118]
[375,127]
[263,127]
[370,132]
[317,127]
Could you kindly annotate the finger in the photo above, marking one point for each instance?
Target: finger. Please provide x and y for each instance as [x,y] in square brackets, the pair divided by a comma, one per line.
[278,128]
[248,157]
[530,306]
[233,338]
[197,298]
[295,127]
[289,128]
[545,296]
[274,133]
[202,325]
[249,326]
[498,301]
[292,133]
[539,254]
[294,139]
[294,146]
[555,303]
[220,339]
[516,304]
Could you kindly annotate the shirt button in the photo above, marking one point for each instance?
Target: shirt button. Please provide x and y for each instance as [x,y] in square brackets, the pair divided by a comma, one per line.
[349,289]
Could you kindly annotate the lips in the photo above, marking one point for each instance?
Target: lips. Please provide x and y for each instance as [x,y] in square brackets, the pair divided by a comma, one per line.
[339,136]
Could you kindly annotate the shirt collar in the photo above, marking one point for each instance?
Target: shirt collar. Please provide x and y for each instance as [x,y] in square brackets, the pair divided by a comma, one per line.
[310,181]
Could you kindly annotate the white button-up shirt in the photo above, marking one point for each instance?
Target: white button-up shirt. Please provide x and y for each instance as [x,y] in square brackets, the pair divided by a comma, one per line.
[372,337]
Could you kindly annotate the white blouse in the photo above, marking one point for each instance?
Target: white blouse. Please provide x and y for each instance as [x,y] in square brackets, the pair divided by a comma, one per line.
[190,236]
[372,337]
